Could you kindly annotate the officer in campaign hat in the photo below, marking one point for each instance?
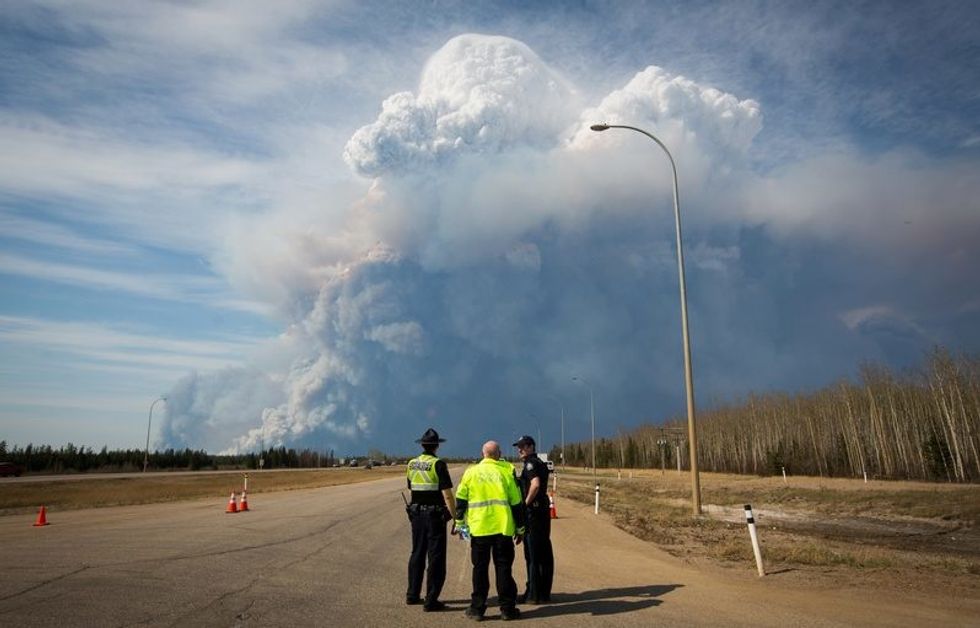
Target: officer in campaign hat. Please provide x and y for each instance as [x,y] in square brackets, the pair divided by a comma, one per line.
[537,540]
[432,506]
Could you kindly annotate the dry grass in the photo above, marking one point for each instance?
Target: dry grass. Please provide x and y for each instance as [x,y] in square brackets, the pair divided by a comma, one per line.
[828,496]
[101,491]
[656,507]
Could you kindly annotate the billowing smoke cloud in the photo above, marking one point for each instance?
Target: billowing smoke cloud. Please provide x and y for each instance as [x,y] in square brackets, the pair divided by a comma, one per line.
[678,108]
[477,94]
[504,248]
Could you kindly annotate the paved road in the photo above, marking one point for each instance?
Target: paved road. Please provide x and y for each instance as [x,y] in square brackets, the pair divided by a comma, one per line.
[337,557]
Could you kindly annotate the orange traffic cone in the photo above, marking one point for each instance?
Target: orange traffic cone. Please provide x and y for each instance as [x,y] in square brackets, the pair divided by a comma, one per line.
[244,505]
[552,510]
[232,506]
[42,517]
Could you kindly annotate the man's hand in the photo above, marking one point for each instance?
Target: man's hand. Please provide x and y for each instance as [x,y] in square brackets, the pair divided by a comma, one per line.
[518,539]
[452,530]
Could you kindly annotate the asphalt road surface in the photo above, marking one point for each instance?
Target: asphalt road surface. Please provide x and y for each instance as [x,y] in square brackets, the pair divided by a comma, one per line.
[337,557]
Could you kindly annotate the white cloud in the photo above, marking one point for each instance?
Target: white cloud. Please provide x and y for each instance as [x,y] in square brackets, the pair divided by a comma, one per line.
[718,259]
[232,51]
[187,288]
[681,108]
[859,316]
[153,191]
[970,142]
[47,234]
[42,155]
[900,201]
[477,94]
[101,344]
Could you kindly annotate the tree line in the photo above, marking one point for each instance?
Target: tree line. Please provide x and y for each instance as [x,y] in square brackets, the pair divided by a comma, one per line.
[923,424]
[69,458]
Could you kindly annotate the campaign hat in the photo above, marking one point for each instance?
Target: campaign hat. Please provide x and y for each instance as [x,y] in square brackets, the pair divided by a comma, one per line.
[431,437]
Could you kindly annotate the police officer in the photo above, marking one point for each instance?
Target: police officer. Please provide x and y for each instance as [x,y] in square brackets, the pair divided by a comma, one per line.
[489,506]
[431,507]
[537,542]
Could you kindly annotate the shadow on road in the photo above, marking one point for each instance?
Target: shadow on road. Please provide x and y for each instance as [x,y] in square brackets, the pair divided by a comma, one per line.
[597,602]
[601,601]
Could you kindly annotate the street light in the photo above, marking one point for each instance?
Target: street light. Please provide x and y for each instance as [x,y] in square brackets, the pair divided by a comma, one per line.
[595,480]
[537,422]
[562,406]
[146,456]
[688,375]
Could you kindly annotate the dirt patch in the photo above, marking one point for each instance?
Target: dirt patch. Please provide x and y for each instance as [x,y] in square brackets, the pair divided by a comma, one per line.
[939,536]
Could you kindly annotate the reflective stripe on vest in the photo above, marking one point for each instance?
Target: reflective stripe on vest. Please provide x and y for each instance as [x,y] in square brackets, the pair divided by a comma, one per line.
[489,502]
[422,473]
[489,490]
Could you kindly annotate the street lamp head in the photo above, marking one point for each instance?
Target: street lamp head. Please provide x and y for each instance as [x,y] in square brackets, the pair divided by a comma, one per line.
[599,127]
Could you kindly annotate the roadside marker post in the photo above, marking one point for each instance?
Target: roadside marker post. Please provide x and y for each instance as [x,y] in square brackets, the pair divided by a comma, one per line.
[784,475]
[755,539]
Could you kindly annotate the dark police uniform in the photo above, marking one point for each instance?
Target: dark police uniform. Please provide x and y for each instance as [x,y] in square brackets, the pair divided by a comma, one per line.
[427,477]
[537,540]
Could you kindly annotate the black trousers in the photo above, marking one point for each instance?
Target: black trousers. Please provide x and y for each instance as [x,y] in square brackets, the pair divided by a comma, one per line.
[428,542]
[538,555]
[501,549]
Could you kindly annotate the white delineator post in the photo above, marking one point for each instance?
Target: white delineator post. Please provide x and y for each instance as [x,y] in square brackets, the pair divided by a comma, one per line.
[597,498]
[784,475]
[245,487]
[755,539]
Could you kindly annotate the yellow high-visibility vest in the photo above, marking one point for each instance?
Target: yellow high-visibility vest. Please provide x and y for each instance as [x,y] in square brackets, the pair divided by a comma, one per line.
[489,490]
[422,473]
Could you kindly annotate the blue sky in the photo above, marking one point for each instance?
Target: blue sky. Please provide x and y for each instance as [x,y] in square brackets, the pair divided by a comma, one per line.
[332,224]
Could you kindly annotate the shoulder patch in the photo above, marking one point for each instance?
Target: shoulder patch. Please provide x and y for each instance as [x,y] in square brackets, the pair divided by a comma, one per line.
[529,466]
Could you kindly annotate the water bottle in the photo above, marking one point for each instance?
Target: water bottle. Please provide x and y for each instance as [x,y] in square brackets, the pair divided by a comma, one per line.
[464,532]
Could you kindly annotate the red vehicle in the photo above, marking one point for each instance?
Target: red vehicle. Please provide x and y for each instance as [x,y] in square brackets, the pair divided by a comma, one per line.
[9,468]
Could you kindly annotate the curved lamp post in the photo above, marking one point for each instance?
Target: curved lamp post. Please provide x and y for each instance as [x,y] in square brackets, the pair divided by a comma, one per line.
[146,456]
[595,480]
[688,376]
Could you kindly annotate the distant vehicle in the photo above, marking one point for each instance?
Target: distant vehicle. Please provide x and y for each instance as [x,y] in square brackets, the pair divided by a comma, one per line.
[9,468]
[353,462]
[369,464]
